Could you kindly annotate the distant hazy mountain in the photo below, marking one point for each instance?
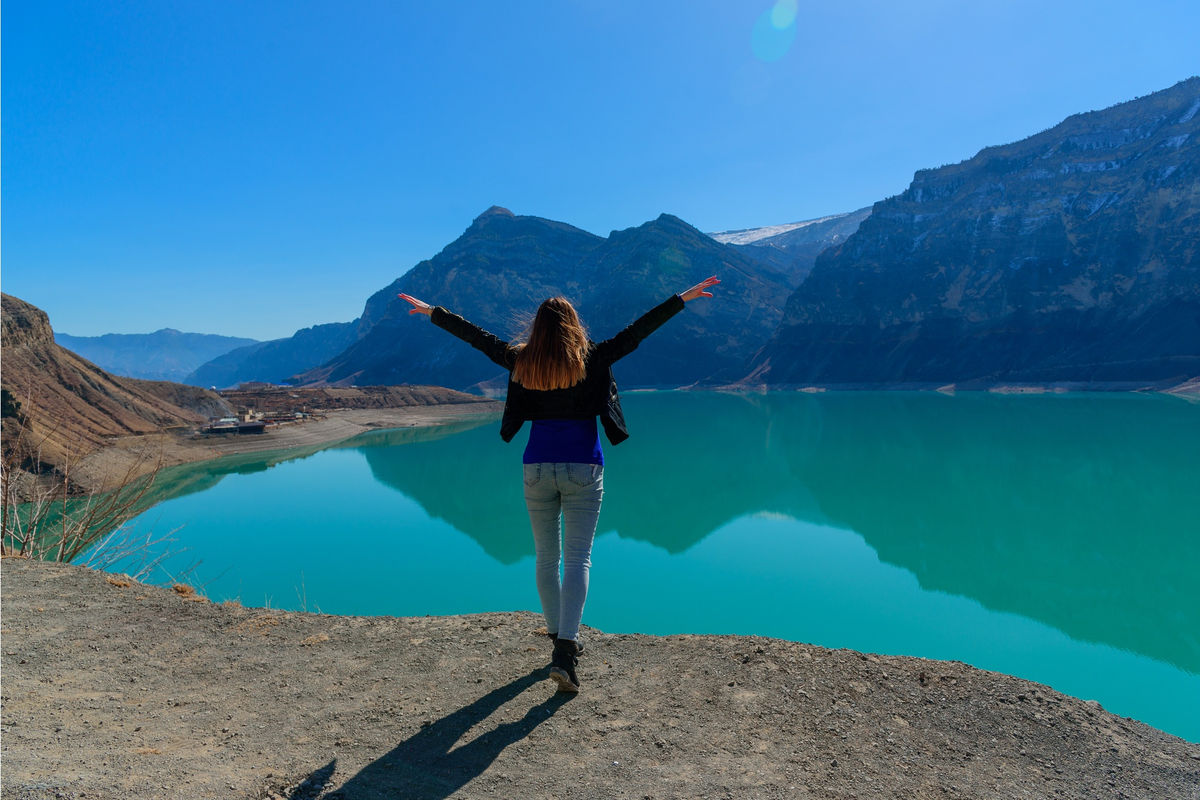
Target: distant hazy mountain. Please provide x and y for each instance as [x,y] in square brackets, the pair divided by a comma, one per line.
[504,265]
[165,355]
[276,360]
[1069,256]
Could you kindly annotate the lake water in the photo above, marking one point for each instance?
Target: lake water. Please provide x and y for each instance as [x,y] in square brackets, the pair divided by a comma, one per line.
[1051,537]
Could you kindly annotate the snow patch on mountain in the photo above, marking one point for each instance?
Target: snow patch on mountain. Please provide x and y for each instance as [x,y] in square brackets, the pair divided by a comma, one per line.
[1191,112]
[750,235]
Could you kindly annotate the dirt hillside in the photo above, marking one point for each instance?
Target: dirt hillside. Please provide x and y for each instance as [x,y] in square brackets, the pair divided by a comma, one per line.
[119,690]
[71,406]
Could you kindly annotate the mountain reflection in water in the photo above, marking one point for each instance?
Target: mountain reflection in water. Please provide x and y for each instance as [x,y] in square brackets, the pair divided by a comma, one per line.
[1073,510]
[1077,511]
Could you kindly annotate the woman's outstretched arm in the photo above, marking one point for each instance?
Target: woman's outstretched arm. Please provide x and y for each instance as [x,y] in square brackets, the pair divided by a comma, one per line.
[492,346]
[627,340]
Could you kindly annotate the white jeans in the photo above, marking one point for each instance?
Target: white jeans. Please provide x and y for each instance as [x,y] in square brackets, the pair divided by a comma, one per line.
[564,505]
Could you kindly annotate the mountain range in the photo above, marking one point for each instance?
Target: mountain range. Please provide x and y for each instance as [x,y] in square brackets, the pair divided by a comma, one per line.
[498,271]
[207,360]
[504,265]
[1068,257]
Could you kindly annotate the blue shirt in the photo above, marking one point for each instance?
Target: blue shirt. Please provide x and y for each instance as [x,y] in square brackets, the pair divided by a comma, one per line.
[563,441]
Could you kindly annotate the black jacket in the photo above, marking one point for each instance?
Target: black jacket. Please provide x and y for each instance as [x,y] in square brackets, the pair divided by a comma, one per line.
[595,394]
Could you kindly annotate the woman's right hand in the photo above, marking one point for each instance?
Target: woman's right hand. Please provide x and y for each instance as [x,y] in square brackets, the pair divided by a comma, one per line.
[419,307]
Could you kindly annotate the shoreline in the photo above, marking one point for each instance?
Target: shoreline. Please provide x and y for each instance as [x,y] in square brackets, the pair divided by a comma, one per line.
[136,455]
[119,689]
[133,456]
[1187,389]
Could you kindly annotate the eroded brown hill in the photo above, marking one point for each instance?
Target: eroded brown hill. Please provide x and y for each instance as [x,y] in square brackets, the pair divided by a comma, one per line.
[69,406]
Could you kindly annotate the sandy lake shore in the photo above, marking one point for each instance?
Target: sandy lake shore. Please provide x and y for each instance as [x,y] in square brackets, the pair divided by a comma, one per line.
[139,454]
[115,689]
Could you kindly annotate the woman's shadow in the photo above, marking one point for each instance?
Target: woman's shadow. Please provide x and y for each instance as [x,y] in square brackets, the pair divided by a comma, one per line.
[427,766]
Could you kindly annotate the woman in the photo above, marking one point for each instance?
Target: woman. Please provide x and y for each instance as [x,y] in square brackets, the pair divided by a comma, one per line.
[561,381]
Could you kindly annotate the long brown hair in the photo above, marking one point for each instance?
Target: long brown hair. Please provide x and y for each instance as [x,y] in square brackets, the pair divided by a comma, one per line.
[554,356]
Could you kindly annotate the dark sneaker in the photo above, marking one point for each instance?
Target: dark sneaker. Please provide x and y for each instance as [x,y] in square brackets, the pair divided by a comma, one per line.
[578,643]
[562,665]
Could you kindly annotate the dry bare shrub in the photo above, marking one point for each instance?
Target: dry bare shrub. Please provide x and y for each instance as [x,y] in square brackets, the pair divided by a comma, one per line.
[188,593]
[44,516]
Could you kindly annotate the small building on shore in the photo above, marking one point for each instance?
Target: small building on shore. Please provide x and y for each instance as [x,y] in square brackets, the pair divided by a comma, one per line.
[234,425]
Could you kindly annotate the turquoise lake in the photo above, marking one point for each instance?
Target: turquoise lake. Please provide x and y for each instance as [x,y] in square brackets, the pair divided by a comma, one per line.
[1053,537]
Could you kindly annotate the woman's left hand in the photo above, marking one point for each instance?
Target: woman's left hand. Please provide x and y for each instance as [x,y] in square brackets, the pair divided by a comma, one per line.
[698,289]
[419,307]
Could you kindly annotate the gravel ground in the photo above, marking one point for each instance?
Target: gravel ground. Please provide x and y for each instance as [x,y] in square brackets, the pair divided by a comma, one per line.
[113,689]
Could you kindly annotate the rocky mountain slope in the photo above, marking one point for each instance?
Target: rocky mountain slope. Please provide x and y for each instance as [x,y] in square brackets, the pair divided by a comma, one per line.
[498,271]
[1068,256]
[276,360]
[165,355]
[70,406]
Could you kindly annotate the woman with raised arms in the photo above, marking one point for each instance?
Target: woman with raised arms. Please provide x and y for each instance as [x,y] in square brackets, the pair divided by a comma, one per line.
[561,382]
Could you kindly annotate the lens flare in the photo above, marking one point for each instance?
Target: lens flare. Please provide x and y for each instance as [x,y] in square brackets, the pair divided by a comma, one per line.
[774,31]
[783,13]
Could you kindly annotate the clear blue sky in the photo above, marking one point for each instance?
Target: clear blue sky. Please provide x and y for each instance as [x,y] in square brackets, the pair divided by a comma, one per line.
[249,168]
